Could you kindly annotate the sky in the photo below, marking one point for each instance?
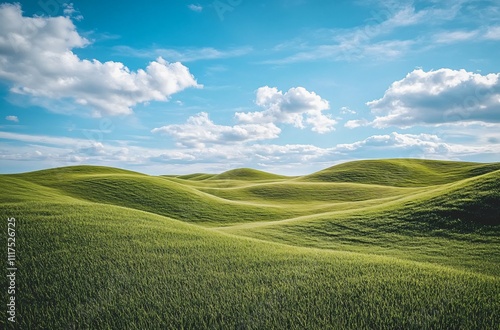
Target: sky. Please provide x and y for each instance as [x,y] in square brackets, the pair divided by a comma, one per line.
[284,86]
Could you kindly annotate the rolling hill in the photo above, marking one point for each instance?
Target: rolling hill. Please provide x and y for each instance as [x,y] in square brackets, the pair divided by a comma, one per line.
[401,172]
[399,244]
[246,174]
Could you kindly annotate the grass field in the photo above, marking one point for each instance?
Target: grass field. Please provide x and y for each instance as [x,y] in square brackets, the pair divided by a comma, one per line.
[388,244]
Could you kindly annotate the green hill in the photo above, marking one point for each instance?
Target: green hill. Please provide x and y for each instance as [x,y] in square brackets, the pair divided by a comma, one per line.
[291,191]
[454,224]
[196,176]
[153,194]
[246,174]
[401,172]
[390,244]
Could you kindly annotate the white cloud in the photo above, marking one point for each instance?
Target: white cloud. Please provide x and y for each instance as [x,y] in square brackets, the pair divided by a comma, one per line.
[477,35]
[347,111]
[420,146]
[184,54]
[70,11]
[200,131]
[196,8]
[449,37]
[493,33]
[386,34]
[402,145]
[437,97]
[12,118]
[36,58]
[50,151]
[367,41]
[297,106]
[356,123]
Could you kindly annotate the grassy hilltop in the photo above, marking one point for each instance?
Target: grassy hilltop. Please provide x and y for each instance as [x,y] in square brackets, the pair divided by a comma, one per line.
[383,244]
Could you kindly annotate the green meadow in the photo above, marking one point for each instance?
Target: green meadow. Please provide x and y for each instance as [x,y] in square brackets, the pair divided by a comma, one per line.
[381,244]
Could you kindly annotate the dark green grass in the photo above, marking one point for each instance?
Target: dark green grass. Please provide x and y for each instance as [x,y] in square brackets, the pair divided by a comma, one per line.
[89,266]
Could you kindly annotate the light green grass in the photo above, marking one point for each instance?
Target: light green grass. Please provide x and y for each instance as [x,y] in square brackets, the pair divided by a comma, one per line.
[246,174]
[93,267]
[401,172]
[103,248]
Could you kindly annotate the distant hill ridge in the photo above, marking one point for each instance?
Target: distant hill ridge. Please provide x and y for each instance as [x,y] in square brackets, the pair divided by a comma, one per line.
[402,172]
[246,174]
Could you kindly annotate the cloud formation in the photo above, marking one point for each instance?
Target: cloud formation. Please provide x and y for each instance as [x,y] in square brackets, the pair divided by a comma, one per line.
[438,97]
[36,58]
[298,107]
[199,131]
[184,54]
[289,158]
[426,143]
[12,118]
[196,8]
[379,39]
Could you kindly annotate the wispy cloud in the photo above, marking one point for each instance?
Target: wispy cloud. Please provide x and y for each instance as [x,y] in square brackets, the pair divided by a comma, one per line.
[196,8]
[455,36]
[12,118]
[377,38]
[493,33]
[185,54]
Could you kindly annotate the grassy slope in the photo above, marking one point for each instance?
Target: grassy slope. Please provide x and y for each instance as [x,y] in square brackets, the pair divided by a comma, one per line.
[153,194]
[196,176]
[401,172]
[96,265]
[457,224]
[301,192]
[246,174]
[84,265]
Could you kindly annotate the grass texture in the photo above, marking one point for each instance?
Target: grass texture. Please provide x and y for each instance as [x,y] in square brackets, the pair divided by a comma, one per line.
[389,244]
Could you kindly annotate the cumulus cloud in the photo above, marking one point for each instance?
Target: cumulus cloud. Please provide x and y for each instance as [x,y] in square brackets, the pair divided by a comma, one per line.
[12,118]
[200,131]
[438,97]
[36,58]
[298,107]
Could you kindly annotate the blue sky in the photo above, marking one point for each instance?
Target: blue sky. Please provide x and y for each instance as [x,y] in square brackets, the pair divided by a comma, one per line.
[286,86]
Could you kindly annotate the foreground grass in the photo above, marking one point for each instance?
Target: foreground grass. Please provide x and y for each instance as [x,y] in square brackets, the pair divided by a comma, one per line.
[88,266]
